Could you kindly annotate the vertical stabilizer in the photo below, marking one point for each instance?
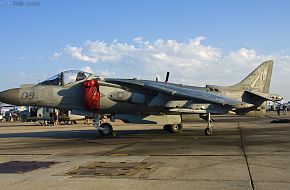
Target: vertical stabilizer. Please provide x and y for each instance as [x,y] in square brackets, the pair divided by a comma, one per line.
[258,80]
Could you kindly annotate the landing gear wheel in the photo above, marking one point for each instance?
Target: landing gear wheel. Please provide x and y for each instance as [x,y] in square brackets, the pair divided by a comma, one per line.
[106,129]
[175,128]
[166,128]
[208,131]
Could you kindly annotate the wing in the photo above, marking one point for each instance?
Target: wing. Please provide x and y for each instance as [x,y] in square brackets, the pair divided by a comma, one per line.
[181,91]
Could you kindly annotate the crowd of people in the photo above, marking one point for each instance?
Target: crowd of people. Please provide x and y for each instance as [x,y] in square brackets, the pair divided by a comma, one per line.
[54,117]
[283,108]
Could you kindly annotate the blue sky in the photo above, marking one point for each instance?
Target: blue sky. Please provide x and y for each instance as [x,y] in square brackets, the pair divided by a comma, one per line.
[113,38]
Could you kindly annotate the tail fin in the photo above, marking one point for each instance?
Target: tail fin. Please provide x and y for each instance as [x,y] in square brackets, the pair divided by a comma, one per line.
[258,80]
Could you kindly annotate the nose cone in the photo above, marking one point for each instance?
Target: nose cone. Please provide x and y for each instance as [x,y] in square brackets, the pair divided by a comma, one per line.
[11,96]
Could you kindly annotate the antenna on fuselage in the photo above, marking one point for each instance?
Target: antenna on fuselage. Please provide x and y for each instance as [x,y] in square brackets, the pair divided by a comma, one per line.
[157,79]
[167,76]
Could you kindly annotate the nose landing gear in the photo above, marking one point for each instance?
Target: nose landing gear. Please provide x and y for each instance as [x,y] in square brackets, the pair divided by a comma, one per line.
[104,129]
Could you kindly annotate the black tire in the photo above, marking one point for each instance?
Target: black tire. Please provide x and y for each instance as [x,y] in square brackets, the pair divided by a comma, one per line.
[166,128]
[107,129]
[208,131]
[175,128]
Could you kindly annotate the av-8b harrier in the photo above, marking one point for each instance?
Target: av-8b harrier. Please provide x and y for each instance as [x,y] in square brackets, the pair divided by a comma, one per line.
[145,101]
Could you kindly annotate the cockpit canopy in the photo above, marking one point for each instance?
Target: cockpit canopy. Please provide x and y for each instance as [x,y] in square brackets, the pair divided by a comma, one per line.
[67,77]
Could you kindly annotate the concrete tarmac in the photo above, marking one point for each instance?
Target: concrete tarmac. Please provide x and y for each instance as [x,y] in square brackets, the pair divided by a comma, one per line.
[244,153]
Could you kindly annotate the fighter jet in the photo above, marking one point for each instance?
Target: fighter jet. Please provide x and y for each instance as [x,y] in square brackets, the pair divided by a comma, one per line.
[145,101]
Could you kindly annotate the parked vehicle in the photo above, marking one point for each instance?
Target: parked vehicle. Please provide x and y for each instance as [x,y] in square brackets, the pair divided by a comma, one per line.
[11,115]
[45,116]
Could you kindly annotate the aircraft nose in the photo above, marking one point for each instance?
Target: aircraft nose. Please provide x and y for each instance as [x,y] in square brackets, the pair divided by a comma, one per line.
[10,96]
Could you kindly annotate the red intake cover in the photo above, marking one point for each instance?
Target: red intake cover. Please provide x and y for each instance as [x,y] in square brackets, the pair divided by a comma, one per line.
[91,95]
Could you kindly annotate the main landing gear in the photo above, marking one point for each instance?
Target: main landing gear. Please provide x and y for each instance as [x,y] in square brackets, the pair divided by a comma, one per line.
[208,131]
[105,129]
[174,128]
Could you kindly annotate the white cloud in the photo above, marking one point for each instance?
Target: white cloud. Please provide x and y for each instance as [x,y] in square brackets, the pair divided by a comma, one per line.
[161,54]
[87,69]
[56,56]
[76,53]
[138,39]
[191,62]
[99,51]
[102,73]
[107,73]
[243,54]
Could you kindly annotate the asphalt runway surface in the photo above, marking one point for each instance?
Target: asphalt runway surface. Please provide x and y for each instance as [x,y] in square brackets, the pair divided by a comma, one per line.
[244,153]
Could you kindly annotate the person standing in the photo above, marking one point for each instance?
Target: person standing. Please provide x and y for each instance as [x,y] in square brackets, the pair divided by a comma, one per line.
[87,121]
[51,117]
[56,117]
[278,109]
[284,109]
[10,118]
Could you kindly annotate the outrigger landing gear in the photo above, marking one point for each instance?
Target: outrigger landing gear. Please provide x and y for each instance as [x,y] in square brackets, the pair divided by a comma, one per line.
[105,129]
[174,128]
[208,131]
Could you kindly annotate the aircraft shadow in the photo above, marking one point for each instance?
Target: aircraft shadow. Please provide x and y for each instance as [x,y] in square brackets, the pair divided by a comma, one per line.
[251,136]
[82,134]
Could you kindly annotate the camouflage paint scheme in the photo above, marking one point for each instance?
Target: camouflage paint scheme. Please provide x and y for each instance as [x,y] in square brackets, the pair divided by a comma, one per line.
[144,101]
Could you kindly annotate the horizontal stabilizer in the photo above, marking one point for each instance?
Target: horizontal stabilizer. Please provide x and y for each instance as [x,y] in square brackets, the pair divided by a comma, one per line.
[270,97]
